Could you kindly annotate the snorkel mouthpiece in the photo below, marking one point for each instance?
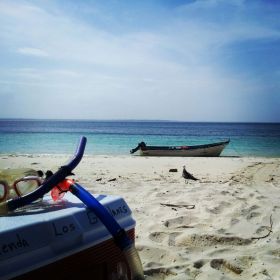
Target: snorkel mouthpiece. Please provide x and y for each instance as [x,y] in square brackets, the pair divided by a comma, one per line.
[59,190]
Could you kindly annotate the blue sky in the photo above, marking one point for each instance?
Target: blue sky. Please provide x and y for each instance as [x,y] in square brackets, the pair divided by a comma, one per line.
[215,60]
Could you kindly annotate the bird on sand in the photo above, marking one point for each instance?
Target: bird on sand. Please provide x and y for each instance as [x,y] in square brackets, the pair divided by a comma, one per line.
[187,175]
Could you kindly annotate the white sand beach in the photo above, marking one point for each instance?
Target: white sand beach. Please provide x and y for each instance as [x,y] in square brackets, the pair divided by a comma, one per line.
[224,226]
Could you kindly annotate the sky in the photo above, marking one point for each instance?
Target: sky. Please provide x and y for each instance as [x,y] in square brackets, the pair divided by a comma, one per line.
[185,60]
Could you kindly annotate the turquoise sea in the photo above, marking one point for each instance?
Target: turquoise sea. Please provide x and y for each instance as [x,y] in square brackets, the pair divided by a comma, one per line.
[118,137]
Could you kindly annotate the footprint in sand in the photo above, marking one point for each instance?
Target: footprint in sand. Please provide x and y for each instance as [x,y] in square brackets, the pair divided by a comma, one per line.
[199,263]
[225,266]
[253,215]
[234,221]
[247,211]
[225,192]
[221,231]
[232,266]
[219,209]
[196,240]
[250,212]
[158,237]
[168,239]
[178,222]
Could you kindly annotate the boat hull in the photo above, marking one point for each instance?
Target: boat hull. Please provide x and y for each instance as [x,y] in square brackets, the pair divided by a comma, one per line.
[210,150]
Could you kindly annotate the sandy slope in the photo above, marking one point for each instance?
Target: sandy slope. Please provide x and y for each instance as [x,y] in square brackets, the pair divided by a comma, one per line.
[211,231]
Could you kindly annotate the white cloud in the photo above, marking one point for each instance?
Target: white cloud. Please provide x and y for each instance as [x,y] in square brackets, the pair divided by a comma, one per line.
[120,73]
[32,52]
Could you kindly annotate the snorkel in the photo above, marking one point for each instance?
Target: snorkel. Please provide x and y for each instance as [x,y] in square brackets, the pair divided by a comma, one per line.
[59,184]
[47,185]
[120,236]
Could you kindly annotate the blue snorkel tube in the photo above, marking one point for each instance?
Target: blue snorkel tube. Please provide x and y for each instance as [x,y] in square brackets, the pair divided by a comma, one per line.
[120,236]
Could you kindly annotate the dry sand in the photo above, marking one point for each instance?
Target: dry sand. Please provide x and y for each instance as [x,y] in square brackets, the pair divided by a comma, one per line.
[232,231]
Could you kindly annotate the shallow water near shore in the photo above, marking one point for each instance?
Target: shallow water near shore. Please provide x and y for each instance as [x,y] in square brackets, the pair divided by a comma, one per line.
[118,137]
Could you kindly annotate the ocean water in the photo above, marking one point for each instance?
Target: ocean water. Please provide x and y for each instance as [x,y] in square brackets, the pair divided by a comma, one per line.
[118,137]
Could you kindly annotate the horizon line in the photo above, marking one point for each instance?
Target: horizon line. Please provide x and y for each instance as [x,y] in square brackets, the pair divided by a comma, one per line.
[135,120]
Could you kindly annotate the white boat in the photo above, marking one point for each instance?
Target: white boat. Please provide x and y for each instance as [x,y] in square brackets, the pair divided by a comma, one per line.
[205,150]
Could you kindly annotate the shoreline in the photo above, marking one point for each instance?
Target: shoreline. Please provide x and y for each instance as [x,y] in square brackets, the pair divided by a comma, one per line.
[234,200]
[127,155]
